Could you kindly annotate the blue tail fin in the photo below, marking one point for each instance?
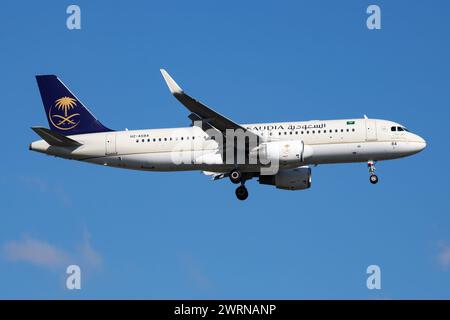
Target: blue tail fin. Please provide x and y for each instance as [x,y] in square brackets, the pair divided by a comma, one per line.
[65,113]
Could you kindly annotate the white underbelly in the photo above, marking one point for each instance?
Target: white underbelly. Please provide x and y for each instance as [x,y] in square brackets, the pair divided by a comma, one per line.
[353,152]
[211,160]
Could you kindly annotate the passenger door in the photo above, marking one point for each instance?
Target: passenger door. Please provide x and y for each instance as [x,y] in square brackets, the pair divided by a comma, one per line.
[371,130]
[110,142]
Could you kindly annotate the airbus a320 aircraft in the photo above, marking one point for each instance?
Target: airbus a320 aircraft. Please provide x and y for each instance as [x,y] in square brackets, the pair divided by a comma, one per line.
[278,154]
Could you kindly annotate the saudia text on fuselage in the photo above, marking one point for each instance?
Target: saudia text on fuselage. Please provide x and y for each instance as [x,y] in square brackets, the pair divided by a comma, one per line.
[292,126]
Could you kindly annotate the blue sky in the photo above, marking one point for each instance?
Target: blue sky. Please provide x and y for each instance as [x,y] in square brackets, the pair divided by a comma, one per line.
[180,235]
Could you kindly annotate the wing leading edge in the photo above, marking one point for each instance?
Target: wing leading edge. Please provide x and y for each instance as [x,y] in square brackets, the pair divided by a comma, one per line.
[203,112]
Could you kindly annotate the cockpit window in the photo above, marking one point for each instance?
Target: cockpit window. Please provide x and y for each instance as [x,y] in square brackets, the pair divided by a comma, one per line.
[400,129]
[393,128]
[405,129]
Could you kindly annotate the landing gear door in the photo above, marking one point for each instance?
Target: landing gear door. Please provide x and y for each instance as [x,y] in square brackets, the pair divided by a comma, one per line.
[110,143]
[371,130]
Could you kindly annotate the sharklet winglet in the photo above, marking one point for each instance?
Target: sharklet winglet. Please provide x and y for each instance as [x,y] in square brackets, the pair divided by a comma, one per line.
[173,86]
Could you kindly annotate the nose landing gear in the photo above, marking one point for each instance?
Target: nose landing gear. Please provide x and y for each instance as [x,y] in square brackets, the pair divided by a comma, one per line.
[373,177]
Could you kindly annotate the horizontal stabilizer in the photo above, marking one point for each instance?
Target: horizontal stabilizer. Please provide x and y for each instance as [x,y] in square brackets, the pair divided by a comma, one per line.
[55,139]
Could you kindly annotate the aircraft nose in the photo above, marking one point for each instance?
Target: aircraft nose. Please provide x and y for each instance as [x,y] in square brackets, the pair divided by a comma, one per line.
[420,144]
[423,142]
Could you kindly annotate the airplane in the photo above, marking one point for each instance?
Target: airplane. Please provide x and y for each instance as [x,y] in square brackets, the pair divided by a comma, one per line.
[279,154]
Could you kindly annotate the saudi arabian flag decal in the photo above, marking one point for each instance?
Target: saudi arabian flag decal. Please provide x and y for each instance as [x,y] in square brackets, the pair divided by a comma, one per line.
[350,122]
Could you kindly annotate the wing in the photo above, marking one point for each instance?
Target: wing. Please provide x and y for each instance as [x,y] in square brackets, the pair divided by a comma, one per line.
[201,111]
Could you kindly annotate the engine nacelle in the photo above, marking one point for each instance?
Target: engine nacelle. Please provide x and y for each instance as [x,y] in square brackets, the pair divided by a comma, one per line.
[289,179]
[293,152]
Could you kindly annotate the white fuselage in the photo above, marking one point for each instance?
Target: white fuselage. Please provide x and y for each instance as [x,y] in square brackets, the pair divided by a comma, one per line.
[191,148]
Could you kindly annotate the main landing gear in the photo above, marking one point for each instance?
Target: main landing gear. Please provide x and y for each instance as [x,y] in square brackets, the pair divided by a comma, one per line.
[373,177]
[241,192]
[237,177]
